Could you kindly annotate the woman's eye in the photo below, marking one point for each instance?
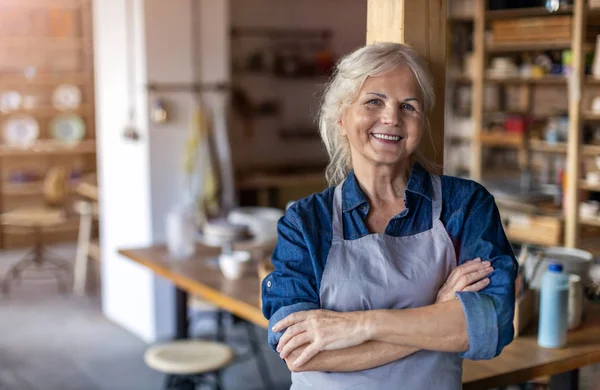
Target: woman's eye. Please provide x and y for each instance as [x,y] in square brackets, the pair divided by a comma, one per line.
[408,107]
[374,102]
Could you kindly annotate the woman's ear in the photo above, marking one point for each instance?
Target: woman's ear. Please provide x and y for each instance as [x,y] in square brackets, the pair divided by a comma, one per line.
[341,128]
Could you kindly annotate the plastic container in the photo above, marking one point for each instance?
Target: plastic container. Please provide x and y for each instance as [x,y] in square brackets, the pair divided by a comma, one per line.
[554,307]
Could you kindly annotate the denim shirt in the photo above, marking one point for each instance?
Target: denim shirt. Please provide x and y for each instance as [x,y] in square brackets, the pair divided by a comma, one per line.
[470,217]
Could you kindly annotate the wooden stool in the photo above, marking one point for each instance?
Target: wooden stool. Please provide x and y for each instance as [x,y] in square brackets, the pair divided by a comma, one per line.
[187,362]
[36,219]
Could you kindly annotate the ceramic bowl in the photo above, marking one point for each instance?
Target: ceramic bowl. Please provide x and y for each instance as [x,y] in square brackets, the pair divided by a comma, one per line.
[589,209]
[233,265]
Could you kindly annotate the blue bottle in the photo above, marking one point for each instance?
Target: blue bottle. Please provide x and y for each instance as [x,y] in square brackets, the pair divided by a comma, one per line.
[554,304]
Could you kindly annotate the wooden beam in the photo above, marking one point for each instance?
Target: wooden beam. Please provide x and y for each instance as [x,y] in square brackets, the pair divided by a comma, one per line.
[477,94]
[422,24]
[575,115]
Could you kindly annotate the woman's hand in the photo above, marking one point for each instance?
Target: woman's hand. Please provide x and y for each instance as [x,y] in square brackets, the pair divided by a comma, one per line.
[469,276]
[321,330]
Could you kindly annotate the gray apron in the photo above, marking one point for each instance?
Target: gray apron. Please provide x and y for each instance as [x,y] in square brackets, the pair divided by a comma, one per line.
[379,271]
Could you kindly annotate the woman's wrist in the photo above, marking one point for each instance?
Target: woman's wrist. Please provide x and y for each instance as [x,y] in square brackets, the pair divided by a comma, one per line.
[368,324]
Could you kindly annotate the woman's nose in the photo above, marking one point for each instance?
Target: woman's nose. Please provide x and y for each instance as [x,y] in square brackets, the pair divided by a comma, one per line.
[390,116]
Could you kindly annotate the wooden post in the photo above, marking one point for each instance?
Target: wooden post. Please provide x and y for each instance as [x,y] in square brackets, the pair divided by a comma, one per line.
[422,24]
[571,211]
[478,89]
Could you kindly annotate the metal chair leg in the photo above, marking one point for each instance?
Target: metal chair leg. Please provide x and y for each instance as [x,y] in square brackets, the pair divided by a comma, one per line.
[260,359]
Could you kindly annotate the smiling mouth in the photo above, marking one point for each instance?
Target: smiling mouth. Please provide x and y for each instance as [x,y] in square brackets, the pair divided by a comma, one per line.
[387,137]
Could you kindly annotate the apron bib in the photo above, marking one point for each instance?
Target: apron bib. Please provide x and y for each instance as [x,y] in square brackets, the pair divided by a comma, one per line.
[379,271]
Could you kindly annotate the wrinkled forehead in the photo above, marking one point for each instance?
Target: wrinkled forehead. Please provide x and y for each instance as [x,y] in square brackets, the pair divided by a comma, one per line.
[398,81]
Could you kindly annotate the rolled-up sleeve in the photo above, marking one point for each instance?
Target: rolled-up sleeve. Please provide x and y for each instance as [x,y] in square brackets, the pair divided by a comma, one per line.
[490,312]
[291,287]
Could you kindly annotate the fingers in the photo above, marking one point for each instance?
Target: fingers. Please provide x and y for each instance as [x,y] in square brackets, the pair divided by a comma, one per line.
[289,334]
[470,278]
[309,352]
[478,286]
[463,269]
[290,320]
[297,341]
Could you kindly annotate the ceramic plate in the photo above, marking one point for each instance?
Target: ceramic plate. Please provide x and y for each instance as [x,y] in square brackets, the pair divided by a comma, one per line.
[66,97]
[67,128]
[21,131]
[10,101]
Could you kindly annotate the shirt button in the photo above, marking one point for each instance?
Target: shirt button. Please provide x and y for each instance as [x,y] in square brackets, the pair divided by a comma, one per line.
[269,283]
[364,208]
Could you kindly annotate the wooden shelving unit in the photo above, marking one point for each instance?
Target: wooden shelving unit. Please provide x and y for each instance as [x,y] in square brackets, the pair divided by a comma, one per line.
[526,145]
[49,44]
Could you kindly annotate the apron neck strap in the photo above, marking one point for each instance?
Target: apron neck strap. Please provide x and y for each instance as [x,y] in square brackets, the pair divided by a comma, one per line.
[338,225]
[336,220]
[436,200]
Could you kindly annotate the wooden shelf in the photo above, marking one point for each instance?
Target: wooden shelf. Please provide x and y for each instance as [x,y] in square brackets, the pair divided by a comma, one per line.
[18,80]
[461,19]
[590,80]
[49,147]
[546,80]
[543,146]
[503,139]
[591,116]
[66,4]
[561,147]
[44,42]
[33,188]
[526,12]
[590,187]
[46,111]
[591,150]
[590,221]
[532,46]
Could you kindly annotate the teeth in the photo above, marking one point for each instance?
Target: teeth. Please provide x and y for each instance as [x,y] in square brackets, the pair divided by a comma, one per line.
[387,137]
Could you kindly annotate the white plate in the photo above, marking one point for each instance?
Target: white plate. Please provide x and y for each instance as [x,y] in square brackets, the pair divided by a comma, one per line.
[10,101]
[66,97]
[21,131]
[67,128]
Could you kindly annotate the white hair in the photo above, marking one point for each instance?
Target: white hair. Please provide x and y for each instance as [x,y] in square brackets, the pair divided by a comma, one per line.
[349,75]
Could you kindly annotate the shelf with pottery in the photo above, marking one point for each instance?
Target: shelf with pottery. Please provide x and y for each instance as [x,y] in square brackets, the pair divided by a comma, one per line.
[535,29]
[47,113]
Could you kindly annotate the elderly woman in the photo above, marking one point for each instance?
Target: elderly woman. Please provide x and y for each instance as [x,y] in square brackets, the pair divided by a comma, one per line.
[393,275]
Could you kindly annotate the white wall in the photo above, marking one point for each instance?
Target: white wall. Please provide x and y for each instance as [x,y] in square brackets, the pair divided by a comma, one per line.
[140,181]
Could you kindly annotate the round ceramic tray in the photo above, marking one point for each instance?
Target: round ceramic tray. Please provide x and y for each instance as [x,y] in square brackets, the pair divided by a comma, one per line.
[67,128]
[66,97]
[20,131]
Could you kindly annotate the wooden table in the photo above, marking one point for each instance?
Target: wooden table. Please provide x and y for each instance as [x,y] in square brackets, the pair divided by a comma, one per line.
[522,360]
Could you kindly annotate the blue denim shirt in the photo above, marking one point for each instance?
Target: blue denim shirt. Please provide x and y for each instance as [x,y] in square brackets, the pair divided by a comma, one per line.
[472,221]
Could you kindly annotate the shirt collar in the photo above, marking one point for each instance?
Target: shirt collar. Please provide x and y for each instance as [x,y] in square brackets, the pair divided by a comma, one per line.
[419,183]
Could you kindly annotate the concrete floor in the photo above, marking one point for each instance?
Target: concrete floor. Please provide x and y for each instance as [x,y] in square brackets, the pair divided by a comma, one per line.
[50,341]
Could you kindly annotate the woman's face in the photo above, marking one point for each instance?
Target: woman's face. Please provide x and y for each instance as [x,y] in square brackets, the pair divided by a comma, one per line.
[384,125]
